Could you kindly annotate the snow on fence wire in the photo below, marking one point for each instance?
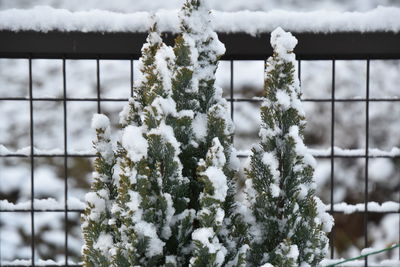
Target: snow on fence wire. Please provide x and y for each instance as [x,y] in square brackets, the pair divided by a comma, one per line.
[363,41]
[76,205]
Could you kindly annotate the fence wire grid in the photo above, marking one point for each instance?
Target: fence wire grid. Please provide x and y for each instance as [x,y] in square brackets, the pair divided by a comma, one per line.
[65,156]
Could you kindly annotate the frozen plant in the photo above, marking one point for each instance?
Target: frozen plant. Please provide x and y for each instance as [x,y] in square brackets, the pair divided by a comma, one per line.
[168,195]
[151,203]
[97,232]
[204,127]
[287,222]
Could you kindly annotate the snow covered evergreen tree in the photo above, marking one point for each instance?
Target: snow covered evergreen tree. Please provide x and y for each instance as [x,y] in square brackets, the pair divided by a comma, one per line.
[97,232]
[209,251]
[287,222]
[204,123]
[151,203]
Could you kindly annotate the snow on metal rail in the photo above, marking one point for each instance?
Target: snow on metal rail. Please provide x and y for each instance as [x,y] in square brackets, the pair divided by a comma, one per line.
[322,21]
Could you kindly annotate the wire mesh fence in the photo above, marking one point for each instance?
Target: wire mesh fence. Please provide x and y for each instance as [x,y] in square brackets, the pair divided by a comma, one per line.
[361,212]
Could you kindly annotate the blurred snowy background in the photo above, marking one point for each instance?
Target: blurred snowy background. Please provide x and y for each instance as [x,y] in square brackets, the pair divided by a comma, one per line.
[248,82]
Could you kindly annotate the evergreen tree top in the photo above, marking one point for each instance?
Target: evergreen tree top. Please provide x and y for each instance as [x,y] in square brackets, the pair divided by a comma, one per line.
[287,223]
[283,44]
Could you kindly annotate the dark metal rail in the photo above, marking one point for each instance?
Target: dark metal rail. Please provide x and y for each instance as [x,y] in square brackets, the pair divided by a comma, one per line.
[239,46]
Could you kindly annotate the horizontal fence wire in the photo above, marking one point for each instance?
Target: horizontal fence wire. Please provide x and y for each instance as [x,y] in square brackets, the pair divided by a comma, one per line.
[65,155]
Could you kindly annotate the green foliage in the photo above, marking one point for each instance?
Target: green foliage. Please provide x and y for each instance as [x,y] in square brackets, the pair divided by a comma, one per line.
[281,175]
[169,190]
[97,214]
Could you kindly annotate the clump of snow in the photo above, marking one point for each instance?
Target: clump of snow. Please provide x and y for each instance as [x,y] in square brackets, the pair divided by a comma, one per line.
[98,205]
[134,142]
[124,115]
[218,179]
[219,110]
[271,161]
[100,121]
[283,44]
[323,217]
[207,237]
[203,235]
[283,99]
[166,231]
[245,202]
[266,133]
[103,143]
[104,243]
[293,252]
[164,106]
[163,56]
[216,154]
[199,125]
[301,149]
[146,229]
[134,201]
[167,133]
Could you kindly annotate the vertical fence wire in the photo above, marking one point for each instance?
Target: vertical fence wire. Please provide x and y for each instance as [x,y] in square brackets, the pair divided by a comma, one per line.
[231,95]
[299,70]
[65,160]
[98,84]
[132,75]
[332,156]
[231,88]
[366,159]
[32,162]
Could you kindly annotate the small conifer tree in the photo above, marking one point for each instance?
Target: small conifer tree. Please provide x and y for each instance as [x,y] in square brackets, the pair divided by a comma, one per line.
[287,222]
[151,203]
[209,251]
[197,51]
[97,232]
[168,196]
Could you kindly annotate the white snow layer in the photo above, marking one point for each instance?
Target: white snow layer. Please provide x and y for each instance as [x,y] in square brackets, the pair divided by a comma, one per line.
[43,204]
[283,44]
[100,121]
[373,152]
[44,18]
[26,151]
[218,179]
[74,203]
[389,206]
[134,143]
[37,263]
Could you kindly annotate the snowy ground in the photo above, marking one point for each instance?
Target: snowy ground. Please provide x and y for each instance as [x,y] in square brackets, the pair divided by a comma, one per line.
[384,173]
